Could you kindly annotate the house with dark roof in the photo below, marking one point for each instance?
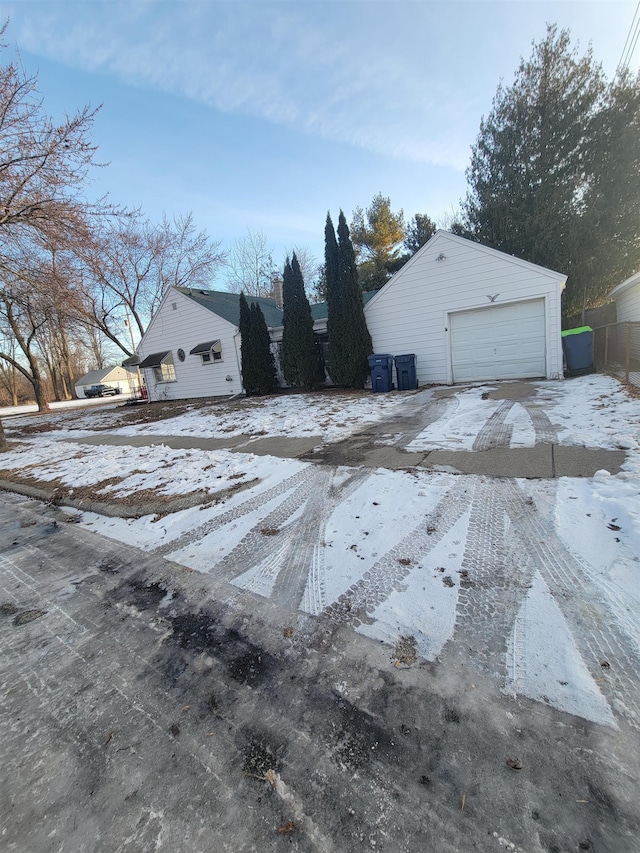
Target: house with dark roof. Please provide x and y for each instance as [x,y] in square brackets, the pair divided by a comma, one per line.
[464,311]
[192,345]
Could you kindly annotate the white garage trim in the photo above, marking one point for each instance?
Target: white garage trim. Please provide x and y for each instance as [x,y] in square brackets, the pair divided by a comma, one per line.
[499,342]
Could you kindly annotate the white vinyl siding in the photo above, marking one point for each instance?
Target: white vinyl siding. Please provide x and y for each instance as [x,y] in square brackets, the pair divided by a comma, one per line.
[183,327]
[411,314]
[499,342]
[628,305]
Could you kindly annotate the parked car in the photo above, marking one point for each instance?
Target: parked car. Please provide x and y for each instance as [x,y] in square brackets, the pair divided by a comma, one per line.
[101,391]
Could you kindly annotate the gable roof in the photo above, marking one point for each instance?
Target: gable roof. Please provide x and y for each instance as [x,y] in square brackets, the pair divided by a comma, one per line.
[227,305]
[634,279]
[320,311]
[95,377]
[441,235]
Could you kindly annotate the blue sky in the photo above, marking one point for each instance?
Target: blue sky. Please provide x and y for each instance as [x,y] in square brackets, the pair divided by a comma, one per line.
[264,115]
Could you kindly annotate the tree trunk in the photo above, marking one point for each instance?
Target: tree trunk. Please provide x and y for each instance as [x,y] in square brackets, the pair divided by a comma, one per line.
[38,386]
[3,440]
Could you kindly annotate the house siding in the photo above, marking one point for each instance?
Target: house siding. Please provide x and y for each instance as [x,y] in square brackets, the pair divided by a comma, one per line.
[117,377]
[183,328]
[628,305]
[411,314]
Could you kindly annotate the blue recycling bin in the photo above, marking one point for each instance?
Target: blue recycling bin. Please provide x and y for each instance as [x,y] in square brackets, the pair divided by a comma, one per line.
[381,367]
[406,372]
[577,345]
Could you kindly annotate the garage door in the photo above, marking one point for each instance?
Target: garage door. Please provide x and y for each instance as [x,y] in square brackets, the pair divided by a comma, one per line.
[499,342]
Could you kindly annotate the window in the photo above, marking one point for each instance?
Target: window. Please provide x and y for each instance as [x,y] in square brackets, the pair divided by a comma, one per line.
[209,352]
[165,373]
[162,365]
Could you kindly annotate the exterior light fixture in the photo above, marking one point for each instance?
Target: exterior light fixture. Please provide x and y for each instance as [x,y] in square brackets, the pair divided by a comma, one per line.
[441,257]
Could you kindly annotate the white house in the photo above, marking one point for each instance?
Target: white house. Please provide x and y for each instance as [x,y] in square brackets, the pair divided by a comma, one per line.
[470,313]
[192,345]
[466,311]
[123,380]
[627,296]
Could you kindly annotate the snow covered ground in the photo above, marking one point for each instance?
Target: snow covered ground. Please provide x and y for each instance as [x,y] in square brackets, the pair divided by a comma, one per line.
[401,555]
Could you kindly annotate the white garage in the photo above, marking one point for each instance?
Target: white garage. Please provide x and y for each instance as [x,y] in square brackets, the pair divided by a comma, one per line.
[470,313]
[499,342]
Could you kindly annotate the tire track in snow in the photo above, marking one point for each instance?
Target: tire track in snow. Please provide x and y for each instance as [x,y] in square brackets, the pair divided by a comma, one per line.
[354,606]
[491,593]
[610,656]
[495,432]
[254,503]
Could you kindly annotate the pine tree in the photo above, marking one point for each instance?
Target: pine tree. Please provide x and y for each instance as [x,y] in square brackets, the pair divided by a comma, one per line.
[349,338]
[419,230]
[301,361]
[555,171]
[377,233]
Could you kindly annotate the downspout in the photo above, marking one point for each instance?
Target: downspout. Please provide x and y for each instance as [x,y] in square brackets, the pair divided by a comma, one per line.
[235,346]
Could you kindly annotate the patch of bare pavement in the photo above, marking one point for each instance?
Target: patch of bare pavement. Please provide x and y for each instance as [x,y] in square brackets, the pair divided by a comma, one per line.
[148,707]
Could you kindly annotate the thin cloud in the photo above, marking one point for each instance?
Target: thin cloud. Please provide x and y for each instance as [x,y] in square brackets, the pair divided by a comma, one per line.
[291,64]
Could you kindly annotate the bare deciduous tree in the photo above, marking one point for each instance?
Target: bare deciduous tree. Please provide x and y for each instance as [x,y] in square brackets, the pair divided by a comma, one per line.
[43,168]
[127,266]
[250,266]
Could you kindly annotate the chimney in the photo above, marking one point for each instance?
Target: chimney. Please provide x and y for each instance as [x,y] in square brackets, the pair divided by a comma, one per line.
[278,295]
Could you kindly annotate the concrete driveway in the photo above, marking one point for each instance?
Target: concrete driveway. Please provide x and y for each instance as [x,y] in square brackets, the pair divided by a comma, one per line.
[456,676]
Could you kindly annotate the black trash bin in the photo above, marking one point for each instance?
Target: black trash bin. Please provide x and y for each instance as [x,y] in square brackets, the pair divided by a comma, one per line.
[381,367]
[406,372]
[577,345]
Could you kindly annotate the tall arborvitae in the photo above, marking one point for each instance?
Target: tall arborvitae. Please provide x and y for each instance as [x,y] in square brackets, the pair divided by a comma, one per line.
[265,371]
[246,360]
[256,358]
[356,340]
[301,361]
[336,327]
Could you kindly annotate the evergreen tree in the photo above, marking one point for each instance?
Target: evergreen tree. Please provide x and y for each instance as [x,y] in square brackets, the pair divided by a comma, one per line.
[419,230]
[265,371]
[256,358]
[612,202]
[377,233]
[301,362]
[246,358]
[550,165]
[335,314]
[349,338]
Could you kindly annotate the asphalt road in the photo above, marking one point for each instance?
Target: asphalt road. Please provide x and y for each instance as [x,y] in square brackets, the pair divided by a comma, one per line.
[147,707]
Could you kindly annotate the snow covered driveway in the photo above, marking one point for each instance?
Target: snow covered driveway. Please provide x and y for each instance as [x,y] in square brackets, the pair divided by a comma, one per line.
[537,582]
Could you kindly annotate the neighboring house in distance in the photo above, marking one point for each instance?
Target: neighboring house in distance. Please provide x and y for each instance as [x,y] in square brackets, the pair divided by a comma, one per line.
[123,380]
[470,313]
[192,345]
